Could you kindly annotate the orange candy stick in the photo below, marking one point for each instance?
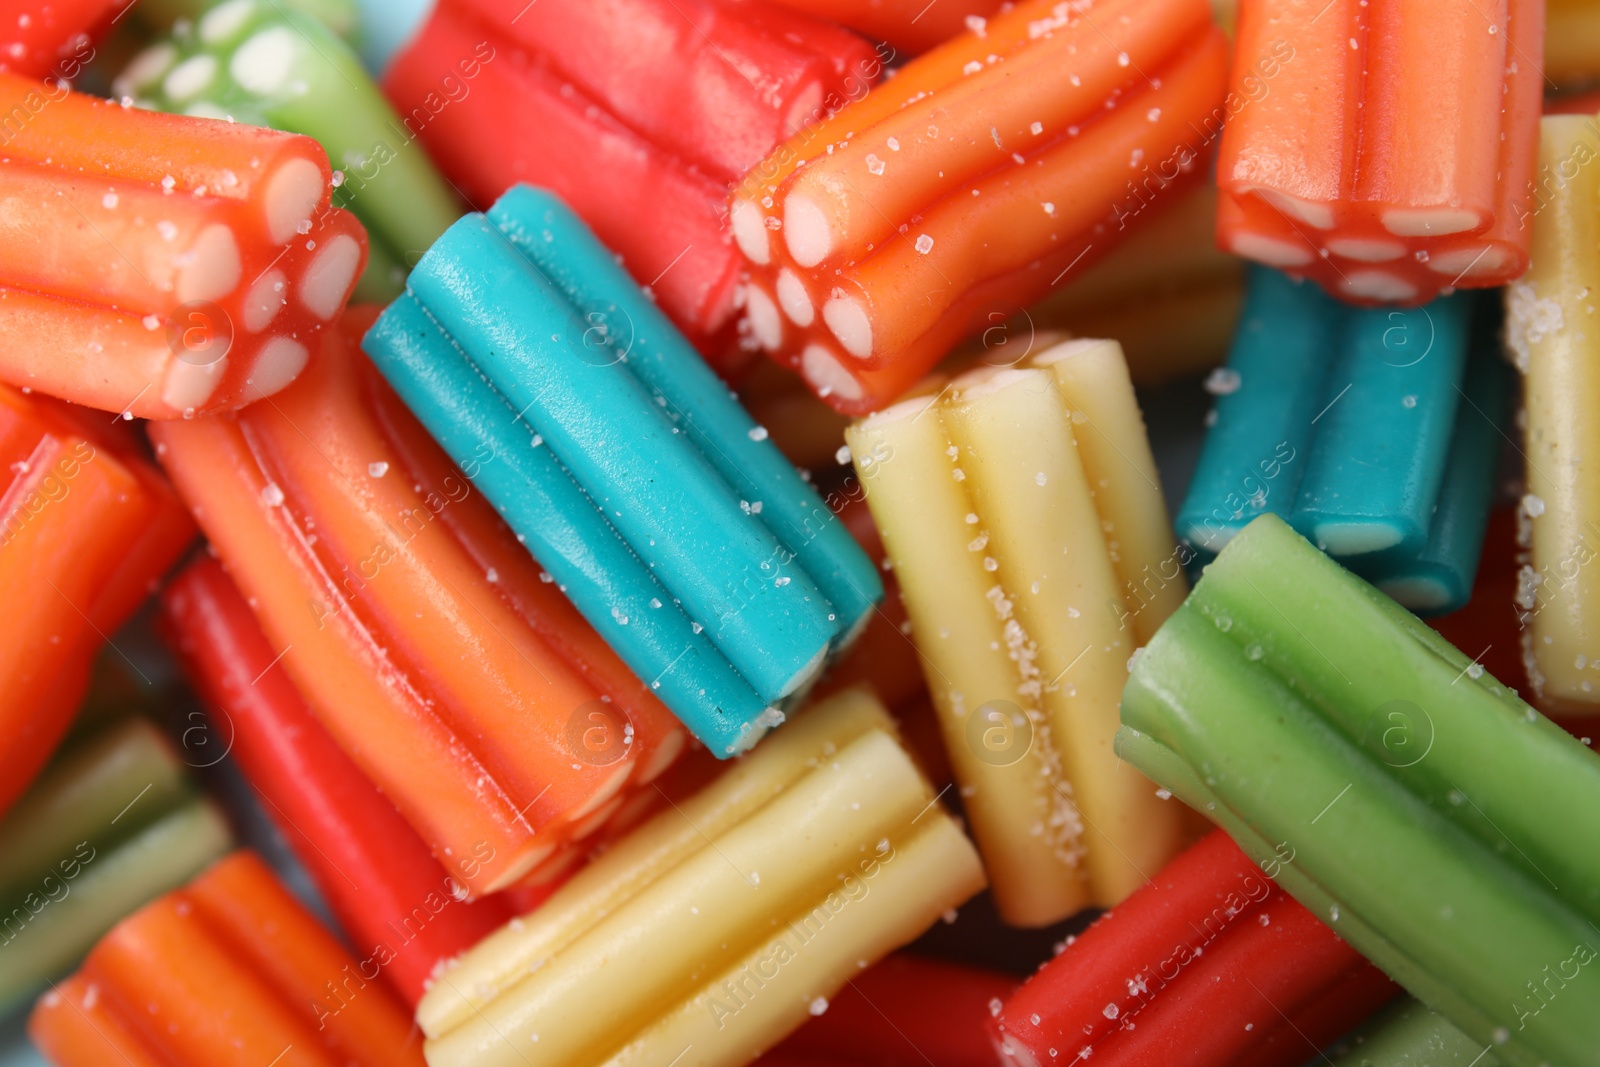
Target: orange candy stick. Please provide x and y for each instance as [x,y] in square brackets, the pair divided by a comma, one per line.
[417,629]
[969,185]
[162,265]
[1344,163]
[88,525]
[230,971]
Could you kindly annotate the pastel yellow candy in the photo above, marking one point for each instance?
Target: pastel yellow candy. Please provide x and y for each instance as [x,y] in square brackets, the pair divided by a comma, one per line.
[1022,513]
[1553,332]
[709,932]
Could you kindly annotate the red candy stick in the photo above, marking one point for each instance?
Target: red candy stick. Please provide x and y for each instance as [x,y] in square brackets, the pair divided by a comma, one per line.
[906,1011]
[88,525]
[638,113]
[230,971]
[402,910]
[1210,965]
[53,37]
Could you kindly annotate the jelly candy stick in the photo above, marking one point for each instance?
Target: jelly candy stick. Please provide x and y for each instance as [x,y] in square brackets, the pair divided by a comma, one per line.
[229,970]
[378,876]
[1430,812]
[638,113]
[163,265]
[1410,1035]
[409,633]
[250,61]
[719,886]
[994,151]
[1559,360]
[109,825]
[621,393]
[1209,963]
[343,17]
[53,38]
[979,498]
[891,1012]
[1372,182]
[1374,433]
[90,526]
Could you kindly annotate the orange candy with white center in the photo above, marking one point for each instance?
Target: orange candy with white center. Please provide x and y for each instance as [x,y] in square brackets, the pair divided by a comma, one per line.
[1383,149]
[161,265]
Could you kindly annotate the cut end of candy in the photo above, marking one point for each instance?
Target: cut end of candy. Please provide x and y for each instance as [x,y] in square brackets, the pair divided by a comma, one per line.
[806,231]
[1270,250]
[1312,214]
[750,231]
[280,362]
[264,300]
[806,108]
[1420,594]
[794,299]
[807,675]
[827,375]
[328,279]
[1377,285]
[765,325]
[848,320]
[1430,222]
[1366,250]
[190,385]
[1354,538]
[211,268]
[292,195]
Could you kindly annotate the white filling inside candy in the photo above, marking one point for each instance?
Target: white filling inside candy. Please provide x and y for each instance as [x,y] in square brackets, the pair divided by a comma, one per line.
[762,313]
[293,192]
[1378,285]
[264,300]
[279,362]
[1367,251]
[827,375]
[1270,250]
[806,231]
[224,20]
[794,299]
[750,231]
[1429,222]
[190,385]
[211,268]
[261,65]
[190,77]
[327,281]
[847,318]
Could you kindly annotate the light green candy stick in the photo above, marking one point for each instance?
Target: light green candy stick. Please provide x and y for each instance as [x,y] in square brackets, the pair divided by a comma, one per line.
[108,826]
[1435,821]
[255,61]
[1408,1034]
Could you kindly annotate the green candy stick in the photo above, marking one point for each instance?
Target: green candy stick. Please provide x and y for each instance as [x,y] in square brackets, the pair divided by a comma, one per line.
[1409,1034]
[258,62]
[1428,815]
[341,16]
[109,825]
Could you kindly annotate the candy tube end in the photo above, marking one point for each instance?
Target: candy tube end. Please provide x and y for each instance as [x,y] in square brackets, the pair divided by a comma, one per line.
[806,231]
[848,320]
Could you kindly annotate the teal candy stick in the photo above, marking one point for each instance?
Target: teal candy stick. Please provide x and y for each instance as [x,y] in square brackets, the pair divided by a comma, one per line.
[1381,449]
[256,62]
[591,564]
[1441,575]
[1345,423]
[638,468]
[548,233]
[1255,452]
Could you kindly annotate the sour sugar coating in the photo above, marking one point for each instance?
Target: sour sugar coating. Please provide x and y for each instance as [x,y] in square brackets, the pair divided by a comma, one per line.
[1209,964]
[711,926]
[1023,518]
[982,175]
[1547,331]
[162,266]
[112,823]
[1342,160]
[230,969]
[640,114]
[87,528]
[1431,814]
[383,885]
[256,62]
[626,467]
[1373,432]
[416,628]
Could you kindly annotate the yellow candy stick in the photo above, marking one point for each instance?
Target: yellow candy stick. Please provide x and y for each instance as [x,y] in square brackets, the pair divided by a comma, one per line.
[1554,335]
[773,989]
[983,496]
[696,893]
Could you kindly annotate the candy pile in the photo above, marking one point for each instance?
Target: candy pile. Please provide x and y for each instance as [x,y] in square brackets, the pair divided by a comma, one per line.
[700,532]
